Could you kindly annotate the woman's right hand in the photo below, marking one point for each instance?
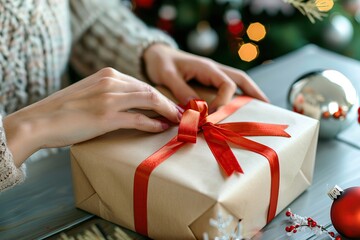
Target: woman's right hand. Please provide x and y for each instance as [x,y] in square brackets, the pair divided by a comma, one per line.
[96,105]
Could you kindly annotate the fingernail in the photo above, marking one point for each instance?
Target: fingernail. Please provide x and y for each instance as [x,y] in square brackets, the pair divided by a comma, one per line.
[179,112]
[179,115]
[212,110]
[164,125]
[180,109]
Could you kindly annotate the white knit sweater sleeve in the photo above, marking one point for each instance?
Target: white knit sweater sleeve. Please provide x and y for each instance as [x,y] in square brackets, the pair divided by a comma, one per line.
[10,175]
[115,38]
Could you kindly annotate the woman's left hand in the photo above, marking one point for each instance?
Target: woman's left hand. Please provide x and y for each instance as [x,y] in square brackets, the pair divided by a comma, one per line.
[174,68]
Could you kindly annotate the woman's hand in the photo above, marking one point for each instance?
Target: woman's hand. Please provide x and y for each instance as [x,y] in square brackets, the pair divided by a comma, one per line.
[94,106]
[174,68]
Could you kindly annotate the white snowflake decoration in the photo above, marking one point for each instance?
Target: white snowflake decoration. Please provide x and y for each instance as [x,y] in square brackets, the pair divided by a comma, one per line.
[222,225]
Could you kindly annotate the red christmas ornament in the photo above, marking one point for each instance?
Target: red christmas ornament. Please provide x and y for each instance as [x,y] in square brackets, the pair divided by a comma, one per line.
[345,211]
[144,3]
[166,25]
[167,15]
[236,27]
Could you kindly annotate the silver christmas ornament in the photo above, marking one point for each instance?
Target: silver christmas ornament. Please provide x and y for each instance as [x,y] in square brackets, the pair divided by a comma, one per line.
[339,32]
[328,96]
[203,40]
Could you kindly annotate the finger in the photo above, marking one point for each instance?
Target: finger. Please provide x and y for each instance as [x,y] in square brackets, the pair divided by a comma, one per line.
[226,87]
[151,100]
[245,83]
[109,79]
[179,87]
[103,73]
[112,85]
[102,76]
[224,94]
[125,85]
[127,120]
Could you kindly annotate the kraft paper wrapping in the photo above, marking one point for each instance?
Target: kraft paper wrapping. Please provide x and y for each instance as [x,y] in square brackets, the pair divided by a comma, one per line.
[189,188]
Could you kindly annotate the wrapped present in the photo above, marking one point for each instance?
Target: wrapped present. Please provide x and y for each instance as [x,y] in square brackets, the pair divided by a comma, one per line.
[249,160]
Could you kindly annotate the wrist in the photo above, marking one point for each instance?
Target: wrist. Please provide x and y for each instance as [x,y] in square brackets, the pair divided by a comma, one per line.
[154,51]
[22,136]
[151,58]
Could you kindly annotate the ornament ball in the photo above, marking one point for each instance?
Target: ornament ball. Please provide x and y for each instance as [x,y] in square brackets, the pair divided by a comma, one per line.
[339,32]
[345,211]
[326,95]
[203,40]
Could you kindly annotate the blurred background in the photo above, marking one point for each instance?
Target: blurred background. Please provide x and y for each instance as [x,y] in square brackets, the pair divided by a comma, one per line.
[246,33]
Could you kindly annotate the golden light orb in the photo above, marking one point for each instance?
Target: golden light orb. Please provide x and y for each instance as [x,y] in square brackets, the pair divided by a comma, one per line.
[256,31]
[248,52]
[324,5]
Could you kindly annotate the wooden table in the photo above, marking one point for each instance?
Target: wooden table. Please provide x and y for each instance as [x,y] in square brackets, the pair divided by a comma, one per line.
[44,206]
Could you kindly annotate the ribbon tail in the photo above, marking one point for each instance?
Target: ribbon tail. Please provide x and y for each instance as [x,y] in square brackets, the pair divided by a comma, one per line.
[141,182]
[255,129]
[228,109]
[222,152]
[273,160]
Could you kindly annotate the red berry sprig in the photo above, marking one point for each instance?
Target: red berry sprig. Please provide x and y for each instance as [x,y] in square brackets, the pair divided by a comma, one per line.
[299,223]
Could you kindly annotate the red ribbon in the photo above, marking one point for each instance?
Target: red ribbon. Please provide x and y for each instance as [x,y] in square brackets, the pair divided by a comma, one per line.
[195,119]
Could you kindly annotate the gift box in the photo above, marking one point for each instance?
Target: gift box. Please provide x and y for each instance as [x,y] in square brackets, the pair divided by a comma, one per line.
[249,160]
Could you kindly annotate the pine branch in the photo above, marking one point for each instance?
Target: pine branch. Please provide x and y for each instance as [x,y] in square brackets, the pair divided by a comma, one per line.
[308,8]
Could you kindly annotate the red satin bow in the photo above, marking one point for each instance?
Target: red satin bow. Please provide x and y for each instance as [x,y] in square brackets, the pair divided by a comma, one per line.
[195,119]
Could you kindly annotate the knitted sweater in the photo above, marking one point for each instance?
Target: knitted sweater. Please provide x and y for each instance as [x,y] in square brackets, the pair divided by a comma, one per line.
[39,38]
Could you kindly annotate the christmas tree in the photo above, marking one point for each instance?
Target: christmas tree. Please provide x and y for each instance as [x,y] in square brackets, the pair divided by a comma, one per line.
[246,33]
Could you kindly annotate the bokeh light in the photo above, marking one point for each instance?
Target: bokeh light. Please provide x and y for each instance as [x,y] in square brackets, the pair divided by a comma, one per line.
[248,52]
[256,31]
[324,5]
[167,12]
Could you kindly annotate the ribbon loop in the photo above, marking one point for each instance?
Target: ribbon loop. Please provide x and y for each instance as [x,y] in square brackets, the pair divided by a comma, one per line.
[199,106]
[188,126]
[195,112]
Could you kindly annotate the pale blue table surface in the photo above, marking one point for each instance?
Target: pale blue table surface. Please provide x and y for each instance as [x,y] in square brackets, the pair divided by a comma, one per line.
[44,204]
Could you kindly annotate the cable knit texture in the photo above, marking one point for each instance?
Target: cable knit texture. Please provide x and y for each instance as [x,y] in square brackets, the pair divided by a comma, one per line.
[36,37]
[10,175]
[115,39]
